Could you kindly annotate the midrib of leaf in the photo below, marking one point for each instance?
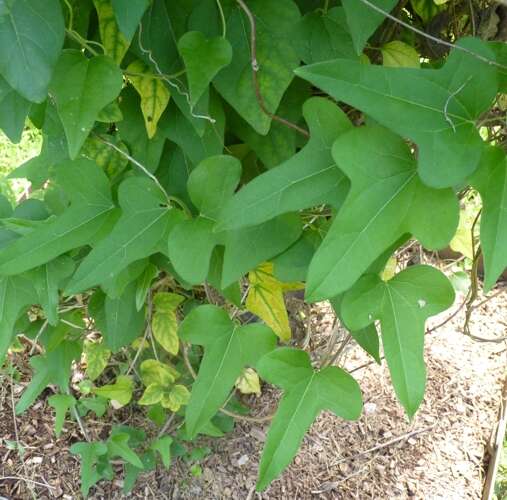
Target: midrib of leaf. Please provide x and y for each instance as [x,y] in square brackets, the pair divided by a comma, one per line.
[372,220]
[18,39]
[291,420]
[204,400]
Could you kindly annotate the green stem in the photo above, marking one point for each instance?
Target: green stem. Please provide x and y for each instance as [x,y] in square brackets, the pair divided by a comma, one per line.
[222,18]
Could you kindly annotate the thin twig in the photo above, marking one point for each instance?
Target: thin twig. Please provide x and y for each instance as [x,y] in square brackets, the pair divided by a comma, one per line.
[19,478]
[256,68]
[431,37]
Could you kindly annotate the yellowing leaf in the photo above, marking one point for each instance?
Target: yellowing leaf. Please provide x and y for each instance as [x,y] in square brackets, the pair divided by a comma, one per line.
[166,301]
[397,54]
[115,44]
[176,398]
[293,286]
[154,94]
[97,356]
[462,241]
[120,393]
[155,372]
[265,299]
[249,382]
[165,330]
[152,395]
[112,162]
[389,270]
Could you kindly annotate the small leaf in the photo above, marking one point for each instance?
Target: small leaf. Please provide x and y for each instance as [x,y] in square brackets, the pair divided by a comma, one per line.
[164,323]
[89,453]
[306,394]
[155,372]
[402,305]
[228,349]
[203,59]
[144,284]
[163,446]
[74,89]
[154,94]
[177,397]
[396,54]
[115,43]
[97,357]
[265,299]
[152,395]
[166,302]
[248,382]
[62,403]
[120,393]
[117,446]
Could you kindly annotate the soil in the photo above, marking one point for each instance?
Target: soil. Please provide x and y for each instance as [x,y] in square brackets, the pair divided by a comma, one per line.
[441,454]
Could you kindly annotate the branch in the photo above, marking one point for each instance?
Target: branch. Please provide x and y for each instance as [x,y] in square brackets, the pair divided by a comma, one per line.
[256,68]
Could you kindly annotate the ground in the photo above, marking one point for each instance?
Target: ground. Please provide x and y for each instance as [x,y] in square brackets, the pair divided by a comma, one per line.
[441,454]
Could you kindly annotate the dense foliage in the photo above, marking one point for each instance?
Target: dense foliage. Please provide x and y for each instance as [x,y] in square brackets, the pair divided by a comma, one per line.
[200,159]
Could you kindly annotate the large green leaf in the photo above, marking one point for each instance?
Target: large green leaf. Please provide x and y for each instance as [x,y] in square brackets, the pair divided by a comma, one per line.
[307,179]
[128,15]
[491,182]
[363,20]
[145,223]
[31,38]
[13,111]
[306,394]
[387,200]
[91,207]
[323,36]
[228,348]
[436,109]
[402,305]
[81,88]
[117,317]
[16,293]
[210,185]
[203,59]
[276,58]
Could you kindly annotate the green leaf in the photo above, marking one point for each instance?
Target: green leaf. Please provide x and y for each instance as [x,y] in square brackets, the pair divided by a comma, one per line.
[397,54]
[363,20]
[323,36]
[89,453]
[16,293]
[117,318]
[31,38]
[265,300]
[51,368]
[46,280]
[167,302]
[491,182]
[62,403]
[111,161]
[387,200]
[203,59]
[306,394]
[120,392]
[97,357]
[309,178]
[111,113]
[90,209]
[152,395]
[434,108]
[276,58]
[117,446]
[81,87]
[144,284]
[13,111]
[145,223]
[128,15]
[115,44]
[153,92]
[163,446]
[227,350]
[402,306]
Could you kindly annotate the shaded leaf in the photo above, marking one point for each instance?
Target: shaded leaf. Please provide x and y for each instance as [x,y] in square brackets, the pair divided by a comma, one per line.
[120,393]
[13,111]
[62,403]
[128,15]
[397,54]
[89,453]
[113,40]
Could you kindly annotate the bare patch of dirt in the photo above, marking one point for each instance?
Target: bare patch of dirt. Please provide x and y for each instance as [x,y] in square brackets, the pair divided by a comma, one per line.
[439,455]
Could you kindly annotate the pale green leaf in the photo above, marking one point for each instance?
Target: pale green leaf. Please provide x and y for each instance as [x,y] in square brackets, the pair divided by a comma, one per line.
[120,392]
[152,395]
[167,302]
[397,54]
[228,349]
[387,200]
[97,357]
[248,382]
[177,397]
[164,326]
[402,306]
[306,394]
[154,372]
